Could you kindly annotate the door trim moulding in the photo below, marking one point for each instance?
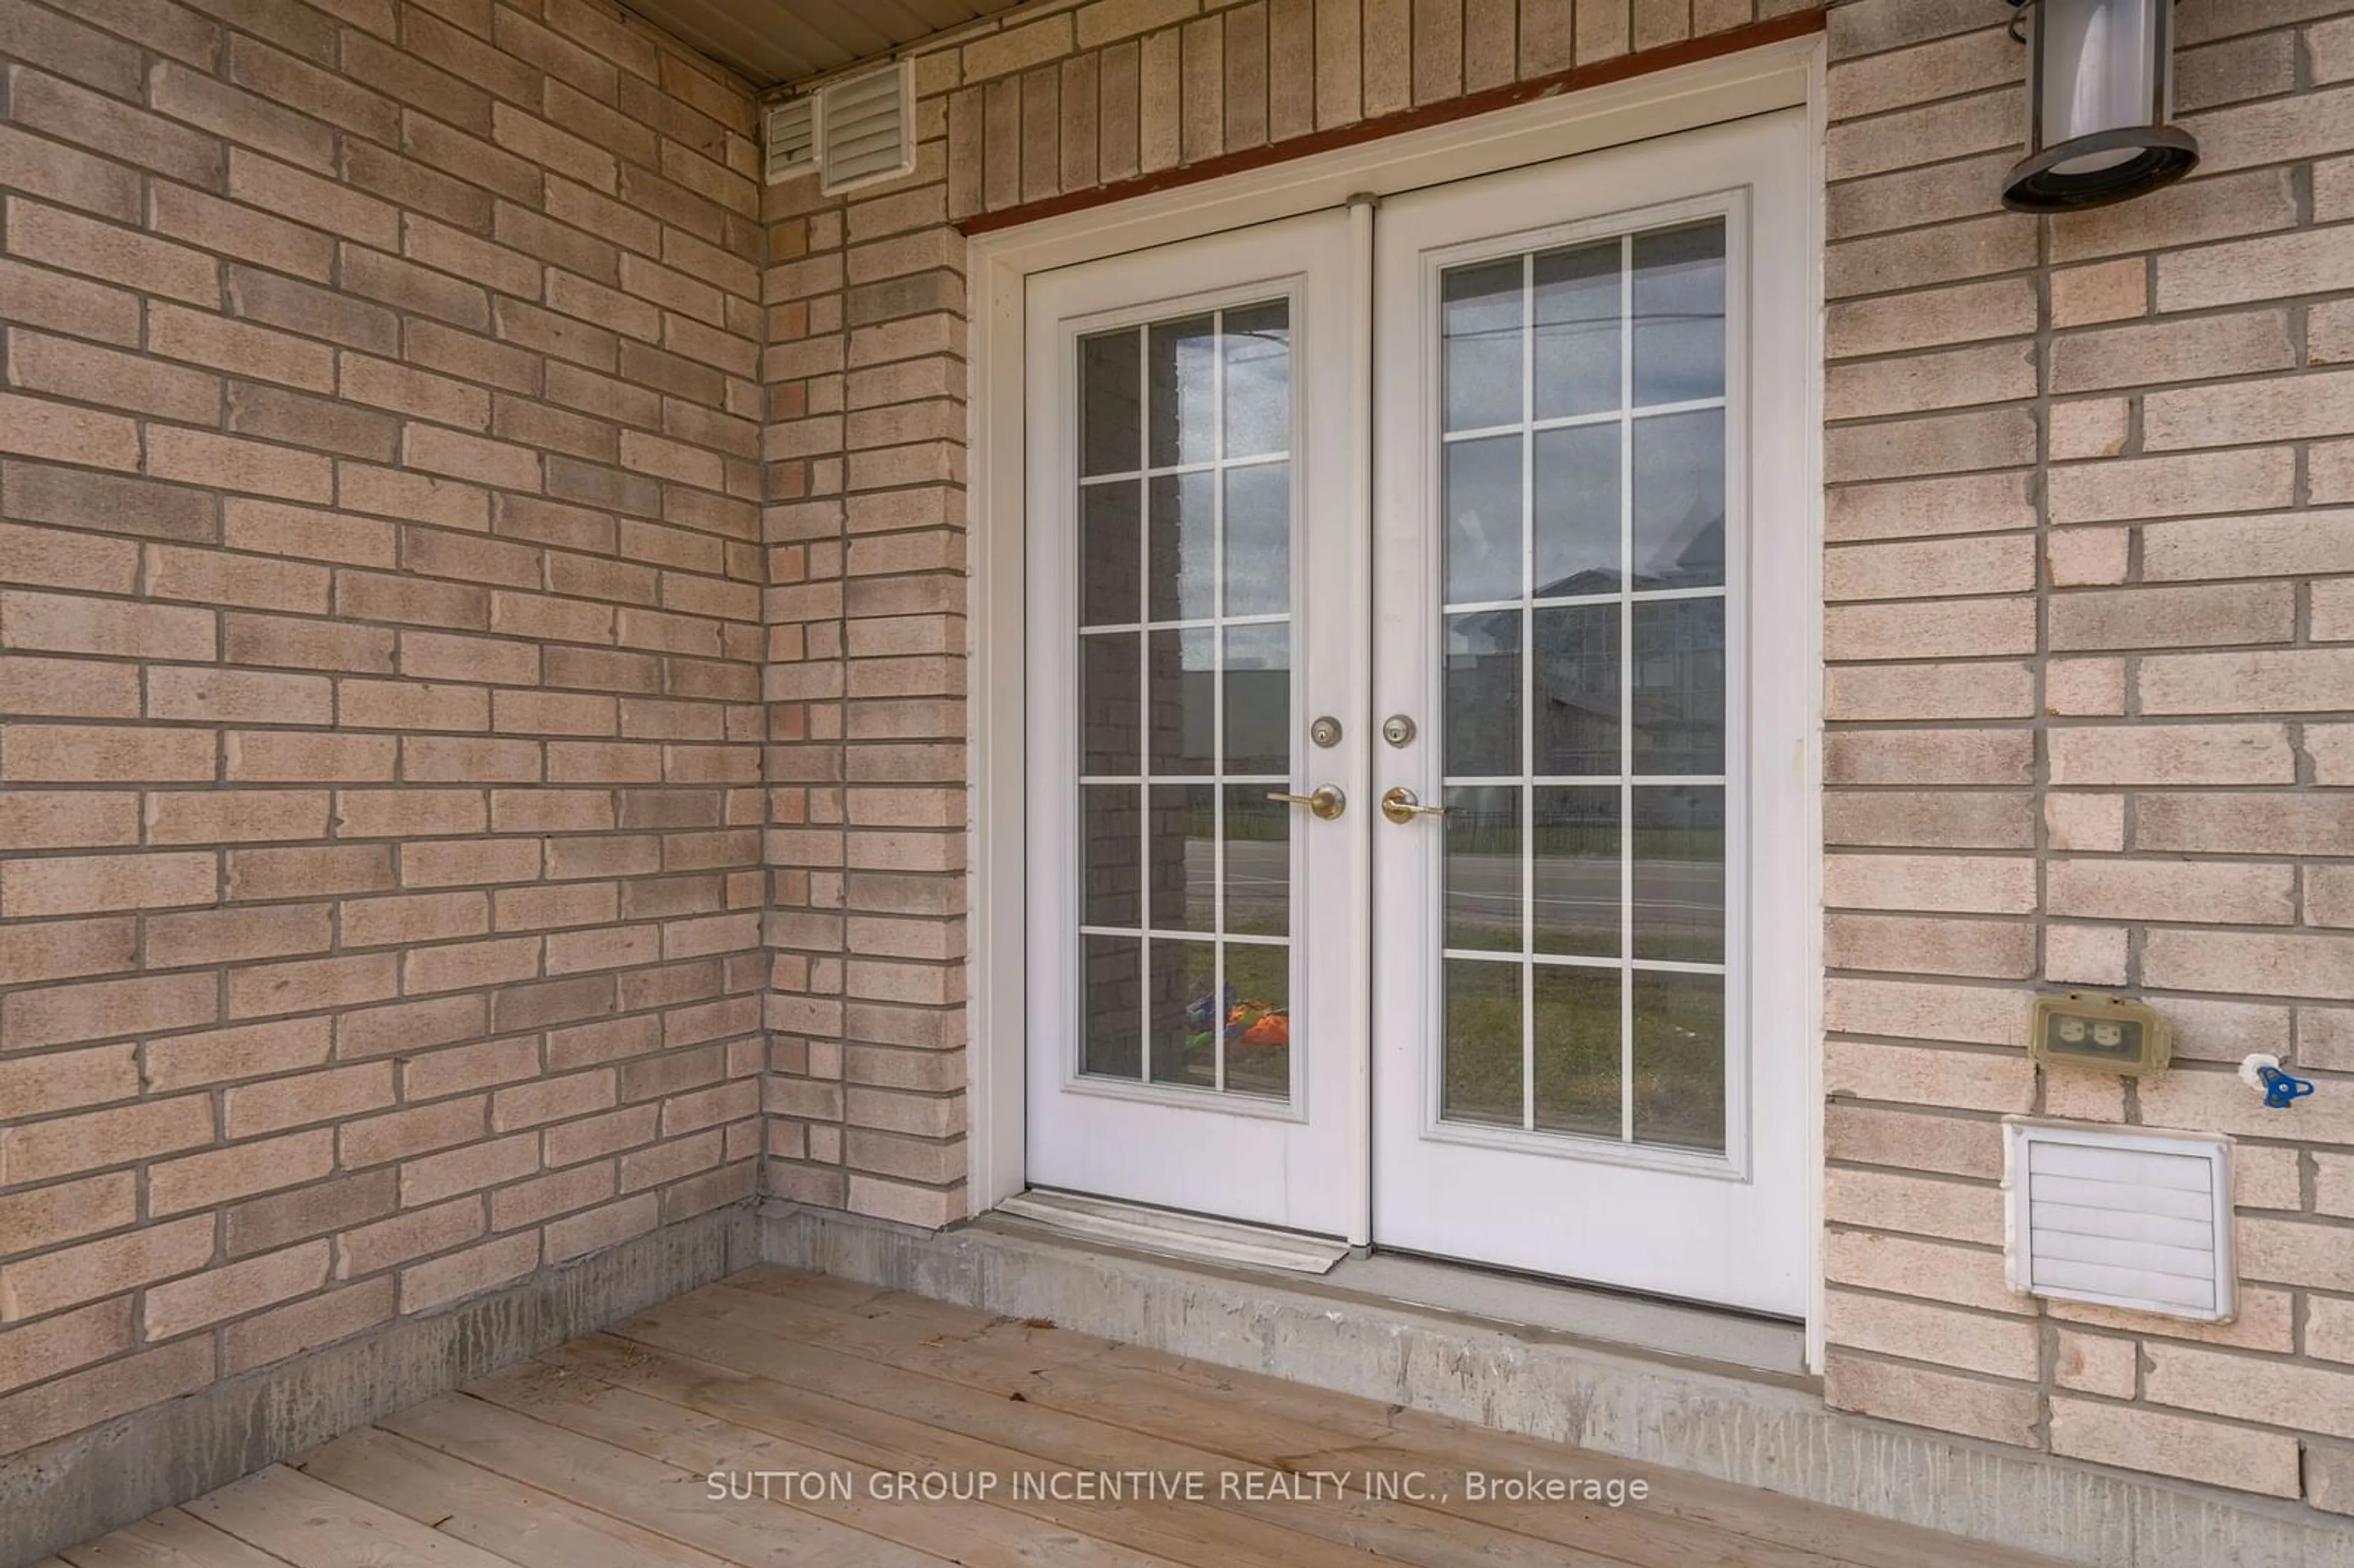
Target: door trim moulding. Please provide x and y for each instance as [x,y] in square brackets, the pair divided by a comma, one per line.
[1781,75]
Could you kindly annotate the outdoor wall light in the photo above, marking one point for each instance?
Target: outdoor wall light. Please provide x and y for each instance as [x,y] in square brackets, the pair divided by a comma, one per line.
[2100,87]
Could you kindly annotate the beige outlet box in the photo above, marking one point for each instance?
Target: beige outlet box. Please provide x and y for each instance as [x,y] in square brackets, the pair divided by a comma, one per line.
[2104,1033]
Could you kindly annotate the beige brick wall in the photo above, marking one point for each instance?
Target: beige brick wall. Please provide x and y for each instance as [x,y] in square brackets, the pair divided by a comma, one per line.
[2110,748]
[2110,451]
[379,669]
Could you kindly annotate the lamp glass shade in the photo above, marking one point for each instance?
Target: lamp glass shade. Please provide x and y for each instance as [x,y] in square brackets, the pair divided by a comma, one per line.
[2101,89]
[2100,68]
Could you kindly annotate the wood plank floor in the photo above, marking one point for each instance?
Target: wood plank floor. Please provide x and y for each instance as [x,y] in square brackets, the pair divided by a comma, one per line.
[1064,1451]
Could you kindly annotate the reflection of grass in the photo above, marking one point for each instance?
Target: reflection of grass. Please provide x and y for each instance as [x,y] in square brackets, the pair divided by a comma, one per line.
[1251,826]
[1679,1086]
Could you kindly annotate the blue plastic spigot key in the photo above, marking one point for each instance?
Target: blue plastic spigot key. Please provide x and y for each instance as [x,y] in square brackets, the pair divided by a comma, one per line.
[2281,1091]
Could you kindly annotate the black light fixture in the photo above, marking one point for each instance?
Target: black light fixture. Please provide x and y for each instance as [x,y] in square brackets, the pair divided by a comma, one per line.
[2100,89]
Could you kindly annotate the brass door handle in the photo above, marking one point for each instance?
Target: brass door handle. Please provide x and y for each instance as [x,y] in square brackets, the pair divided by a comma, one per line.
[1400,807]
[1325,800]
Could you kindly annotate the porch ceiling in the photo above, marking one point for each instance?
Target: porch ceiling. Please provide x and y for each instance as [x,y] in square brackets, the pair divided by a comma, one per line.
[773,41]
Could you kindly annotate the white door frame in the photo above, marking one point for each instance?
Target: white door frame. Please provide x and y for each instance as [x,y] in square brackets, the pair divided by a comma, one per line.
[1776,76]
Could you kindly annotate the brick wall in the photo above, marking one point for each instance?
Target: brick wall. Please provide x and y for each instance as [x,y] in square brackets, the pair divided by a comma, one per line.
[2109,749]
[2088,483]
[379,579]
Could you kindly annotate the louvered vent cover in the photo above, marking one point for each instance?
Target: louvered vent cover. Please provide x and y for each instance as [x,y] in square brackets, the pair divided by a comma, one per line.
[2132,1219]
[867,129]
[792,138]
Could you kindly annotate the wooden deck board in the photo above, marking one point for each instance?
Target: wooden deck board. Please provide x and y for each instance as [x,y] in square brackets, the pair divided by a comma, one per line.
[598,1454]
[526,1526]
[1050,1427]
[997,1435]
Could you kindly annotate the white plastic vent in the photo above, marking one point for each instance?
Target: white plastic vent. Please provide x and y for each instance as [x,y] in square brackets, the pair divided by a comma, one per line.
[867,129]
[791,138]
[2123,1218]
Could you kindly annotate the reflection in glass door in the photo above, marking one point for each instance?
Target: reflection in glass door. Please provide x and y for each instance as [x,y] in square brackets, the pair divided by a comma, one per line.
[1582,478]
[1185,696]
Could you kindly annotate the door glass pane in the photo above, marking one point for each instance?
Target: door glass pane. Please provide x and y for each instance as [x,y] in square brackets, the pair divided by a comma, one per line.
[1679,687]
[1182,391]
[1258,700]
[1259,862]
[1680,873]
[1483,693]
[1181,584]
[1584,611]
[1111,548]
[1258,539]
[1259,1019]
[1111,985]
[1483,869]
[1483,520]
[1111,704]
[1185,521]
[1483,1077]
[1576,510]
[1182,695]
[1576,692]
[1577,1054]
[1680,313]
[1483,313]
[1578,307]
[1679,1057]
[1257,344]
[1182,850]
[1110,418]
[1679,524]
[1185,1014]
[1576,872]
[1110,845]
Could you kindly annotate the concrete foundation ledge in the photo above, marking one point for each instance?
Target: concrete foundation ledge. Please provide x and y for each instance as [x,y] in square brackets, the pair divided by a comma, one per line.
[1692,1414]
[67,1491]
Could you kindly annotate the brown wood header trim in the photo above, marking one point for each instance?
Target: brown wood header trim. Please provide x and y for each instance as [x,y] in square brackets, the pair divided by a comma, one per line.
[1577,77]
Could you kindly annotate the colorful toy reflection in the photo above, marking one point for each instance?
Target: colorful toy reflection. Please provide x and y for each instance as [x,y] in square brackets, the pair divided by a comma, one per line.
[1249,1025]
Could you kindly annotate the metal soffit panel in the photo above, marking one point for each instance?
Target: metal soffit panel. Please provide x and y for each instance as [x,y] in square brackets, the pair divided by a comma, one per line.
[773,41]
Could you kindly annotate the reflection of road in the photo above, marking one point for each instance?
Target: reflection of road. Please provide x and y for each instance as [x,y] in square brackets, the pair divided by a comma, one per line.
[1485,889]
[1259,882]
[1584,890]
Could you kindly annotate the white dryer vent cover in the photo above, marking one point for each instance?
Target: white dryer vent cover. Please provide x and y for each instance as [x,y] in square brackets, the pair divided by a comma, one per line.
[866,128]
[855,132]
[2121,1217]
[791,138]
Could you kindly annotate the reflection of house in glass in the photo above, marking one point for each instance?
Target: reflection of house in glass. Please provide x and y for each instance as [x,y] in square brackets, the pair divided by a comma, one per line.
[1257,708]
[1678,678]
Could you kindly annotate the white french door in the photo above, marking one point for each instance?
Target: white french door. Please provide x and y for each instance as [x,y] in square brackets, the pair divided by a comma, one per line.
[1592,590]
[1196,603]
[1528,984]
